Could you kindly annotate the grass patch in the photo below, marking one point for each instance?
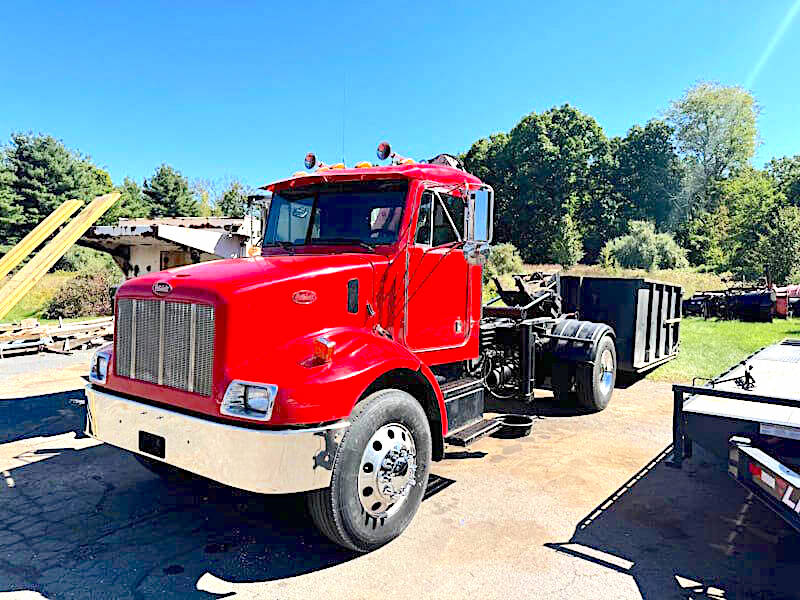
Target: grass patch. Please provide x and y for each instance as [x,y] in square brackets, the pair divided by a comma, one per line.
[709,347]
[35,301]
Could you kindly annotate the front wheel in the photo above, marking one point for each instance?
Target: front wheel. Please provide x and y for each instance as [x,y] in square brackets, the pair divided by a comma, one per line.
[595,383]
[379,474]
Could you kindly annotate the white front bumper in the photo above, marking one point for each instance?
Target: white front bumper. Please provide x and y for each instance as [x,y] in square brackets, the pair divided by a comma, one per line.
[270,462]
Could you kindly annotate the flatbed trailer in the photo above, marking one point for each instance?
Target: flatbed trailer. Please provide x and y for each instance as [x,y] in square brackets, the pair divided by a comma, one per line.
[750,416]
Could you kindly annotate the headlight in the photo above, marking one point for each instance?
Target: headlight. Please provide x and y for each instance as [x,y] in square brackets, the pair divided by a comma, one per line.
[249,400]
[98,373]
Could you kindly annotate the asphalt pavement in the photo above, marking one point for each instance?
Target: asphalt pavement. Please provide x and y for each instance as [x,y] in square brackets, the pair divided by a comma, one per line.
[582,508]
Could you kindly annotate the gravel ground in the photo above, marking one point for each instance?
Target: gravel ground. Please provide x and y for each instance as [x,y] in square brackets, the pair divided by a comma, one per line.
[43,361]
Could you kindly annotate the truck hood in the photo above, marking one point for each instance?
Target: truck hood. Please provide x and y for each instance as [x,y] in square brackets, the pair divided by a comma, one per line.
[219,281]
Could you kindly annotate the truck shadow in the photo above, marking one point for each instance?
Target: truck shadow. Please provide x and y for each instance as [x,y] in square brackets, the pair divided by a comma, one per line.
[543,405]
[689,534]
[84,519]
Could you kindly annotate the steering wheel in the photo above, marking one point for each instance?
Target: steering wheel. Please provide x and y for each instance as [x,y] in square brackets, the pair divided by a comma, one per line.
[382,235]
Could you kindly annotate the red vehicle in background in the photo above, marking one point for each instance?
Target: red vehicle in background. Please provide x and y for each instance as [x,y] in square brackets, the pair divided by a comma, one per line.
[342,360]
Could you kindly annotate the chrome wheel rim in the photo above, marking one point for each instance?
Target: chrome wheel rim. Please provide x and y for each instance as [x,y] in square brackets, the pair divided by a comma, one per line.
[388,470]
[606,377]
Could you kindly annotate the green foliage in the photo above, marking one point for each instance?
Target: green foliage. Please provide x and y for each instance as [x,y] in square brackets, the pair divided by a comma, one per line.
[643,248]
[648,175]
[10,210]
[39,174]
[567,247]
[752,201]
[779,245]
[169,194]
[79,259]
[233,202]
[87,294]
[715,133]
[132,204]
[504,259]
[545,161]
[785,172]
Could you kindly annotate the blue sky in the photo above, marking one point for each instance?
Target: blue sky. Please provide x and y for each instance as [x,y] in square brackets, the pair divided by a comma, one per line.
[244,90]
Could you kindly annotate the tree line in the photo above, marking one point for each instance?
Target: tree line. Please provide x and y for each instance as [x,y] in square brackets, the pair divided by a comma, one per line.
[565,192]
[677,190]
[37,173]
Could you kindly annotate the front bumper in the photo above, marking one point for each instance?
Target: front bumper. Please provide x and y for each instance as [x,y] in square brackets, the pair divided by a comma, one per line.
[270,462]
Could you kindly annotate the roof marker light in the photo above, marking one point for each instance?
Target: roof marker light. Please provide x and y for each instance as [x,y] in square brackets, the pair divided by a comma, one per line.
[338,166]
[364,164]
[385,151]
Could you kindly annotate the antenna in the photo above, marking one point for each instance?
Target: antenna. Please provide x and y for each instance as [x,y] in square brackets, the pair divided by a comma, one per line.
[344,110]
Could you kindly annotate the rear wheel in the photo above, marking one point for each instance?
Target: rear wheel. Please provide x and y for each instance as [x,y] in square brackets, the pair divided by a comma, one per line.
[595,383]
[379,474]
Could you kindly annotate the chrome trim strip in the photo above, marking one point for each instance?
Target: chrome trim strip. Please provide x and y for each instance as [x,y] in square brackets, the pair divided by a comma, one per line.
[192,343]
[134,306]
[161,312]
[269,462]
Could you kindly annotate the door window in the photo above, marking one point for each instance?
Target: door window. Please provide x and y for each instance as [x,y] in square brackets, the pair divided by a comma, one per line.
[423,235]
[444,223]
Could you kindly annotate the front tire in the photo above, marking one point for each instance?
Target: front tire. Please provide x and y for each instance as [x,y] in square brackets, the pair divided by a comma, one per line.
[380,473]
[595,384]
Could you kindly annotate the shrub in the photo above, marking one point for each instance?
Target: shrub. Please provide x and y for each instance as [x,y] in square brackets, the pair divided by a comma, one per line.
[503,259]
[85,295]
[643,248]
[78,259]
[671,255]
[567,248]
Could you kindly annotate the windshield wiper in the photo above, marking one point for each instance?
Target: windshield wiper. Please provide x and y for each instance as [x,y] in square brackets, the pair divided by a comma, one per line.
[345,241]
[288,246]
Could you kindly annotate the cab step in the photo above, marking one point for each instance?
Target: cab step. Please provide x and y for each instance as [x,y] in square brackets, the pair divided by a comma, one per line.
[472,433]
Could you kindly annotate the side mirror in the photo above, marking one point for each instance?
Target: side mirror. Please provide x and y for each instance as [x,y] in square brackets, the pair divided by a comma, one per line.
[480,215]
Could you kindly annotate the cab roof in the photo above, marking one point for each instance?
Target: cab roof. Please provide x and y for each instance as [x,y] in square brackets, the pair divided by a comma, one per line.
[419,171]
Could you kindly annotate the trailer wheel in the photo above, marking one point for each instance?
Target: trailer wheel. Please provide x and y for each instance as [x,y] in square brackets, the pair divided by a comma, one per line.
[379,474]
[595,384]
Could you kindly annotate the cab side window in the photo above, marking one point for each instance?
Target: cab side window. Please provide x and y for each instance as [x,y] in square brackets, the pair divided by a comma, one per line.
[424,221]
[443,229]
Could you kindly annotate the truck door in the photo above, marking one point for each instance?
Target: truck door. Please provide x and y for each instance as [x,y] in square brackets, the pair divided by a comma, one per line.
[437,314]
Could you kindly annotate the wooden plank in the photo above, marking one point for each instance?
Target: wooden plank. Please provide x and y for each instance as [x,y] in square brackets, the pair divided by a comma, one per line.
[37,235]
[27,276]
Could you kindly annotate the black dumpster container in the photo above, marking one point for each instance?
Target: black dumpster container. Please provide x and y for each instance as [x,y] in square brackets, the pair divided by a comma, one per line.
[645,315]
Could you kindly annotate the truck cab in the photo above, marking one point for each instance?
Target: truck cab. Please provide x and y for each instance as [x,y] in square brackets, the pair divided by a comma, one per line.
[342,359]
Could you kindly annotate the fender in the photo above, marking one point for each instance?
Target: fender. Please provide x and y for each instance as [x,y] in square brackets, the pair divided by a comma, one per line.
[577,352]
[316,393]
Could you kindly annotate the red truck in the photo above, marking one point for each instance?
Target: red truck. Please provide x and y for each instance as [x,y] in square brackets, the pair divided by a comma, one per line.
[343,359]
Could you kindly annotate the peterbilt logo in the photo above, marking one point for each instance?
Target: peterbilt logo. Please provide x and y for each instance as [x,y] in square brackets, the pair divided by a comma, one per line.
[161,288]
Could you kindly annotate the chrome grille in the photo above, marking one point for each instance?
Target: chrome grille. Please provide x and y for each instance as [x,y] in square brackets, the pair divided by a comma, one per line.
[168,343]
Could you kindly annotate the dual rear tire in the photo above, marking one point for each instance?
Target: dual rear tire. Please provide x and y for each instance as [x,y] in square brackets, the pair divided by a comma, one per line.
[593,383]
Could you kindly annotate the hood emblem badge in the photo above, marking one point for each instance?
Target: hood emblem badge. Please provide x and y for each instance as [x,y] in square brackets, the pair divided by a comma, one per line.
[304,297]
[161,288]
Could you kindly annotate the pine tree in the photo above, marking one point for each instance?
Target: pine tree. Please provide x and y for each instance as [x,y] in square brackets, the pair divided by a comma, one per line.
[169,194]
[41,174]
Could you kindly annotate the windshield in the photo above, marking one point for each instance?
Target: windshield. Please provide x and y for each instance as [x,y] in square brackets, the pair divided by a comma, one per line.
[351,213]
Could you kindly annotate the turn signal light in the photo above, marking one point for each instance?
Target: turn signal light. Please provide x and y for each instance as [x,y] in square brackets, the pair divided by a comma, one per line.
[323,349]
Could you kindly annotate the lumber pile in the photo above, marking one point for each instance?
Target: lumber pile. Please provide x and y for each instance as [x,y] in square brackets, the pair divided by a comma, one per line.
[31,336]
